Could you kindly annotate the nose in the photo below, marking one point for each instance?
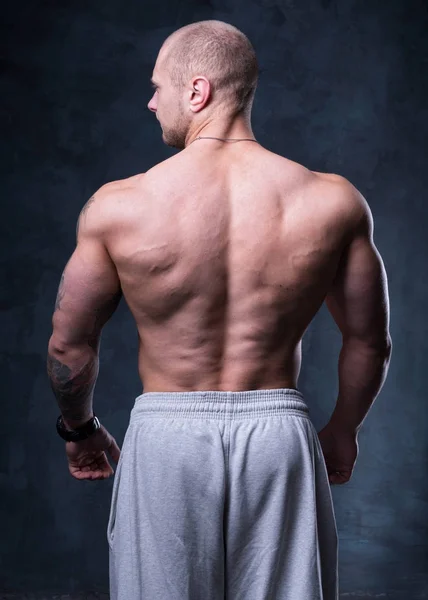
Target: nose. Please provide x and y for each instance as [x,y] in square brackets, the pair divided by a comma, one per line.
[152,104]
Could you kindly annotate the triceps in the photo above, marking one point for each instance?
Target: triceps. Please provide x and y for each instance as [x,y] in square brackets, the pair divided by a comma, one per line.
[100,317]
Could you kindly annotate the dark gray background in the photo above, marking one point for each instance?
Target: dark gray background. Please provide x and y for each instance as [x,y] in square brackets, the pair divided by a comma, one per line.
[342,89]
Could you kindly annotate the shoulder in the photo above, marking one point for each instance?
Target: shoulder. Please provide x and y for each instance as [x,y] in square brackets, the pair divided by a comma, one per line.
[104,206]
[114,190]
[335,192]
[345,199]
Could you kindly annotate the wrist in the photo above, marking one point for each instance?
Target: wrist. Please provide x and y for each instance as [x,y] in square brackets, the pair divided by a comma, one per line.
[72,424]
[343,422]
[79,433]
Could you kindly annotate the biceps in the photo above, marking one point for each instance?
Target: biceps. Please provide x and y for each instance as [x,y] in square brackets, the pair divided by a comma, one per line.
[358,299]
[88,294]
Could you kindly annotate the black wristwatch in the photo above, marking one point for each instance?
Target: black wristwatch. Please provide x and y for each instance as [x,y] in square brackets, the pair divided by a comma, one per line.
[80,433]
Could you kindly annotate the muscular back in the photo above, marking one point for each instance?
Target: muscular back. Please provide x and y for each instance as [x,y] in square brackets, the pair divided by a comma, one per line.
[225,253]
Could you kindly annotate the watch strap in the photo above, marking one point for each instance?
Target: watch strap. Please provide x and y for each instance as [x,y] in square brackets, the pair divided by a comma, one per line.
[80,433]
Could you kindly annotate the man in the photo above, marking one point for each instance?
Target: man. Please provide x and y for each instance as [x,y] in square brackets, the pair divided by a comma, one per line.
[224,254]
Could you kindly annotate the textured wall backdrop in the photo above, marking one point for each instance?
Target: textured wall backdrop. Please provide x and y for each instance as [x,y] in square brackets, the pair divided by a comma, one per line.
[343,89]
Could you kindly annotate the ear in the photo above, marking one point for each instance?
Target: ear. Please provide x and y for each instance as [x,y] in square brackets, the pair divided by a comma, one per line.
[200,94]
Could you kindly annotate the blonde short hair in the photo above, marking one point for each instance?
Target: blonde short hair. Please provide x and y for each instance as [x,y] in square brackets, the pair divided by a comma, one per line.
[220,52]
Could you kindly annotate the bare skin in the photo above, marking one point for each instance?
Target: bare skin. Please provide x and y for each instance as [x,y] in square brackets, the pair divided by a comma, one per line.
[223,269]
[224,253]
[224,275]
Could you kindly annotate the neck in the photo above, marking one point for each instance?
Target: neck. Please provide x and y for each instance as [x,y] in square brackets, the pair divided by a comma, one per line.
[236,129]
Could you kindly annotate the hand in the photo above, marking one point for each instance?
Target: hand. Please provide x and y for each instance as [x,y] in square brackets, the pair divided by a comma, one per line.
[88,459]
[340,449]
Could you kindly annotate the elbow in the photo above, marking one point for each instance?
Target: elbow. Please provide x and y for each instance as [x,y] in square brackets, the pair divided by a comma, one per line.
[59,344]
[56,346]
[385,345]
[388,348]
[380,345]
[60,348]
[383,348]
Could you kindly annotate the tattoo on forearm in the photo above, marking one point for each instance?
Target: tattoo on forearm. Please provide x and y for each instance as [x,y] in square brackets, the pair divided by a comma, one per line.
[73,390]
[83,211]
[60,294]
[101,316]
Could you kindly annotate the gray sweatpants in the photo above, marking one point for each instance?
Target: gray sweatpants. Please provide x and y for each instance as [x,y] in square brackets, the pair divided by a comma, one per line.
[222,496]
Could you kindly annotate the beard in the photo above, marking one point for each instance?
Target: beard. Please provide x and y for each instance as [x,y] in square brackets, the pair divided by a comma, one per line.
[175,135]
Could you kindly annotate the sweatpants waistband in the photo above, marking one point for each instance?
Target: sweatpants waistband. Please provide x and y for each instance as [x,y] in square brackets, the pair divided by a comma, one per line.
[221,404]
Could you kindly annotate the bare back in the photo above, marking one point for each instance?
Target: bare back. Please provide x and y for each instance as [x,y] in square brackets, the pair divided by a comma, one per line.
[225,254]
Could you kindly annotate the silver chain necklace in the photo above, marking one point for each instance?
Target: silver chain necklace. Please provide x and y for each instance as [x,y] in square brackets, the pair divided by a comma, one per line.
[224,139]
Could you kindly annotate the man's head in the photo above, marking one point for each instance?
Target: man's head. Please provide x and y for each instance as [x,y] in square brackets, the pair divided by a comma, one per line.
[205,71]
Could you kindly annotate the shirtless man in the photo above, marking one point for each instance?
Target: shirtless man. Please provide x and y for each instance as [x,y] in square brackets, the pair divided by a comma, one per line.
[224,254]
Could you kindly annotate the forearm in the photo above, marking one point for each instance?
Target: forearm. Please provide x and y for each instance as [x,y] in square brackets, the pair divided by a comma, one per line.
[362,372]
[73,373]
